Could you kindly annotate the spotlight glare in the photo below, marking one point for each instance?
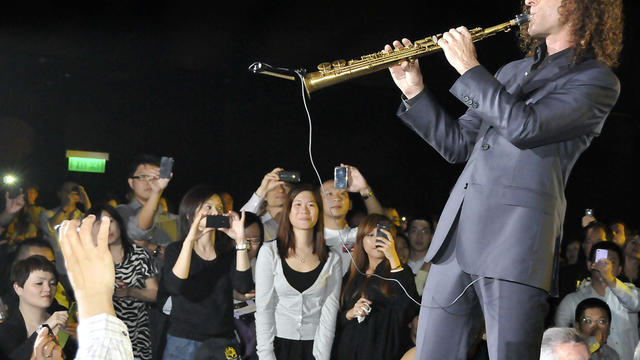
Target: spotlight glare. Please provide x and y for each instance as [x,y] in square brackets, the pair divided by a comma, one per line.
[9,179]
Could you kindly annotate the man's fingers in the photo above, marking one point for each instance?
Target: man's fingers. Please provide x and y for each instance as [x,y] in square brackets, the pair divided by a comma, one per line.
[85,232]
[406,42]
[103,233]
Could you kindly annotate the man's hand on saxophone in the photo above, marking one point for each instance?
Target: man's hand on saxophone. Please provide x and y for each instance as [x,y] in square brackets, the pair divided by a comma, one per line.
[407,75]
[459,50]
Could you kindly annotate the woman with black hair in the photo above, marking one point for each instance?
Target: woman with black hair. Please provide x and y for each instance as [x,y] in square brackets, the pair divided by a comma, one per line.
[297,285]
[136,283]
[200,272]
[374,317]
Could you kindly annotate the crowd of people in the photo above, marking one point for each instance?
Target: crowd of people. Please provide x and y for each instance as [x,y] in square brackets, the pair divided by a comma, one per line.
[294,274]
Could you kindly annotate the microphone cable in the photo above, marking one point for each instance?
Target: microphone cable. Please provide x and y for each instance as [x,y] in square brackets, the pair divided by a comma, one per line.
[344,246]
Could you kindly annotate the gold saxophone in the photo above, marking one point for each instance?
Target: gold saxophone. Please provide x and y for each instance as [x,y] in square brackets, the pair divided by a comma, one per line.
[341,70]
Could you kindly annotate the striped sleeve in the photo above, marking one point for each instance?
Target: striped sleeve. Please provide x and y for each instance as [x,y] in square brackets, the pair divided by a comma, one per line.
[103,337]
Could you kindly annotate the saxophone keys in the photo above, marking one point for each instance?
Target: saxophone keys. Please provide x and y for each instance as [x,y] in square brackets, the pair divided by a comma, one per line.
[324,67]
[339,64]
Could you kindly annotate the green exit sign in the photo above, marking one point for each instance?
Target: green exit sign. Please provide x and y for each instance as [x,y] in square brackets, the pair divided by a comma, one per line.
[87,161]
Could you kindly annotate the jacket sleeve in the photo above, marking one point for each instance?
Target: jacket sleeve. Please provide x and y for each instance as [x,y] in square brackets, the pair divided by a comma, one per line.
[570,108]
[628,295]
[323,340]
[452,138]
[265,303]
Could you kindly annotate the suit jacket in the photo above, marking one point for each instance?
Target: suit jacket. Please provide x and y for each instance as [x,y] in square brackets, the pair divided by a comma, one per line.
[523,132]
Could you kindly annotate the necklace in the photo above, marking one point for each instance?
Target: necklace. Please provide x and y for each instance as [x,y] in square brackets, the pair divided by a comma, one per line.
[301,258]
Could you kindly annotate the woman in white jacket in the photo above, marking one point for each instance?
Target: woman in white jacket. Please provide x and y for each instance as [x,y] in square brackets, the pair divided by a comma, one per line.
[298,283]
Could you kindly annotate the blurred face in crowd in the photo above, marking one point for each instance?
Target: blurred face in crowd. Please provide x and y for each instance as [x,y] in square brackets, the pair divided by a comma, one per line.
[419,235]
[593,320]
[227,201]
[252,233]
[617,231]
[42,251]
[278,196]
[336,202]
[572,251]
[632,247]
[114,229]
[304,211]
[140,186]
[616,268]
[594,235]
[32,195]
[39,289]
[402,248]
[68,192]
[393,215]
[213,206]
[369,245]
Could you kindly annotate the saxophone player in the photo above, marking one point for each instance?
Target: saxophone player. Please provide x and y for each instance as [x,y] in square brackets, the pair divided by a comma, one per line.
[524,129]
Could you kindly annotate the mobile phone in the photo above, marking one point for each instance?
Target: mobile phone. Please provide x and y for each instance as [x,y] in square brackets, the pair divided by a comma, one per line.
[166,167]
[340,177]
[601,254]
[588,212]
[14,192]
[73,313]
[289,176]
[379,232]
[218,221]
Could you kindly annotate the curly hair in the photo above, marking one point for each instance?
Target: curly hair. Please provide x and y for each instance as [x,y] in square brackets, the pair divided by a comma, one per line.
[596,27]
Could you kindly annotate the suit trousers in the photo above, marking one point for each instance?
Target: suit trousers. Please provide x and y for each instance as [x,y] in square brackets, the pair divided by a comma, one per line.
[513,313]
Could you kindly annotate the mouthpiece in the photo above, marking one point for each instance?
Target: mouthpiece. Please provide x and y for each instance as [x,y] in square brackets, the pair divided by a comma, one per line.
[522,19]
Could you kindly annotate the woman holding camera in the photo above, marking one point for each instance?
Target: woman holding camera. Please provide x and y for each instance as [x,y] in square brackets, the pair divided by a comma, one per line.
[200,273]
[297,285]
[375,313]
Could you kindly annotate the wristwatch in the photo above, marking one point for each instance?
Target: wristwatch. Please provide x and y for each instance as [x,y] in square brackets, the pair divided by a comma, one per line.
[367,195]
[157,251]
[244,246]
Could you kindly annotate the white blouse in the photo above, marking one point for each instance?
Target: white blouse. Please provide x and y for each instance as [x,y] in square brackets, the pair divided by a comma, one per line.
[284,312]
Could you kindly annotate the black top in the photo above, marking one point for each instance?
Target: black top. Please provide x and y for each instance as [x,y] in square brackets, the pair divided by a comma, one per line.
[202,304]
[384,334]
[301,281]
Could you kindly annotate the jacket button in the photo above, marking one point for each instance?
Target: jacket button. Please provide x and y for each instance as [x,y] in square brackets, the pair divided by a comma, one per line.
[466,185]
[485,146]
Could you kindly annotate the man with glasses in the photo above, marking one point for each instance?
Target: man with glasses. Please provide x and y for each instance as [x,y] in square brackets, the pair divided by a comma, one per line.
[622,298]
[148,225]
[419,233]
[593,321]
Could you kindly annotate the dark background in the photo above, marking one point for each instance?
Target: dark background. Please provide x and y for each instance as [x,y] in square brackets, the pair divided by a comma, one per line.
[171,78]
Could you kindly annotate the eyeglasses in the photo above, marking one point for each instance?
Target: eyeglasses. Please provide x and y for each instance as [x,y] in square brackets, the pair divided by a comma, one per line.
[599,322]
[254,240]
[145,177]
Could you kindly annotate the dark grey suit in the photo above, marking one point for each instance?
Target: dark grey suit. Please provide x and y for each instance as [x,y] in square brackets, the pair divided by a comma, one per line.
[523,132]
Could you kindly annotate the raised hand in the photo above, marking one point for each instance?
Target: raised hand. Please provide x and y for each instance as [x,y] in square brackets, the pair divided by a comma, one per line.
[269,182]
[236,229]
[89,265]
